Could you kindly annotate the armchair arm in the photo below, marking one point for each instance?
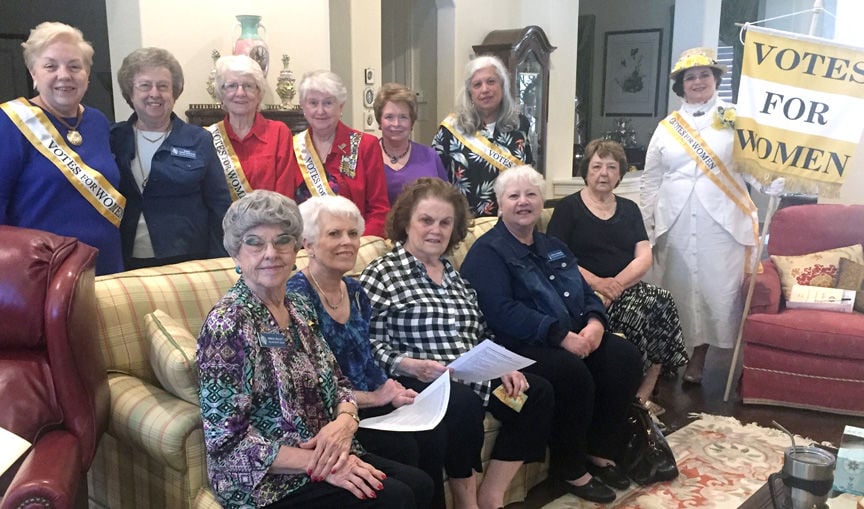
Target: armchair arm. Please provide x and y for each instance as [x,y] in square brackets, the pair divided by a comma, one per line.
[153,420]
[766,294]
[50,475]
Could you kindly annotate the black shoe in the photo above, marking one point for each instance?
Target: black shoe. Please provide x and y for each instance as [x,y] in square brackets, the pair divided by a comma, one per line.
[592,491]
[611,475]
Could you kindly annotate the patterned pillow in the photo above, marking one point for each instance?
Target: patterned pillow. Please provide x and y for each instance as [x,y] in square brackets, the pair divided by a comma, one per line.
[852,278]
[814,269]
[172,355]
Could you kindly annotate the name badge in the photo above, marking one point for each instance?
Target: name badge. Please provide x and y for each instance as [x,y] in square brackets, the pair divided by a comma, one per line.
[183,152]
[556,255]
[271,340]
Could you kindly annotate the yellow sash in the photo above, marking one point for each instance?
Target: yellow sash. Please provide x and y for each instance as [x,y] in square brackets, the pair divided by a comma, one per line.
[42,134]
[712,166]
[310,165]
[480,145]
[238,185]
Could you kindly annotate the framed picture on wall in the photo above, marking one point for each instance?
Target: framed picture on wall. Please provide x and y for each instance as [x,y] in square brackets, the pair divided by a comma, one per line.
[631,72]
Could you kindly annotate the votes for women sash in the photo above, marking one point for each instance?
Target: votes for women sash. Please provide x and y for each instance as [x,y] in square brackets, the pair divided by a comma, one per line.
[42,134]
[800,105]
[310,165]
[238,185]
[480,145]
[712,166]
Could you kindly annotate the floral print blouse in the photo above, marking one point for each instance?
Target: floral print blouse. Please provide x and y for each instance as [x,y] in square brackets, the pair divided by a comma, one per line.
[261,390]
[472,174]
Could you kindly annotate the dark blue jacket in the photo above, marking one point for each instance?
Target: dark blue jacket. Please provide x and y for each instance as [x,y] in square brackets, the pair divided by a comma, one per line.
[186,194]
[531,295]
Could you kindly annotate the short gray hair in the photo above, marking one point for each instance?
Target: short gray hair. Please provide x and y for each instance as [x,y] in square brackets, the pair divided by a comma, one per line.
[467,118]
[148,58]
[242,65]
[312,208]
[323,81]
[260,207]
[49,32]
[524,173]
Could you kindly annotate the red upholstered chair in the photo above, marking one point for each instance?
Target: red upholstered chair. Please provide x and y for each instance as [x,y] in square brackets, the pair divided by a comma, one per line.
[53,386]
[804,358]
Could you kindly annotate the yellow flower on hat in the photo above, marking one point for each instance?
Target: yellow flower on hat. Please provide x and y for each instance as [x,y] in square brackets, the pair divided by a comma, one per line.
[692,61]
[724,118]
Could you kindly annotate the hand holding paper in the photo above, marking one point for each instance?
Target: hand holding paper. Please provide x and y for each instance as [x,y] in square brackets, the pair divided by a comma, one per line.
[487,361]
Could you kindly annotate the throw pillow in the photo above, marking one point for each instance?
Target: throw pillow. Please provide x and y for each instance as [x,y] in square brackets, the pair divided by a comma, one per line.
[172,355]
[814,269]
[852,278]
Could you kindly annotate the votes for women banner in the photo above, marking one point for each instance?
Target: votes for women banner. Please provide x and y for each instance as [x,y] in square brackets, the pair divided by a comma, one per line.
[800,110]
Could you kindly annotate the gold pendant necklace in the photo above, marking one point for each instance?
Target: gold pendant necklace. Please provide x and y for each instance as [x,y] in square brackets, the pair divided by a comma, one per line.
[324,295]
[73,136]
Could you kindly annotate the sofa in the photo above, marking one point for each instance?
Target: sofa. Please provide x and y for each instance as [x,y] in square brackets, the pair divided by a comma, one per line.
[153,452]
[53,388]
[804,358]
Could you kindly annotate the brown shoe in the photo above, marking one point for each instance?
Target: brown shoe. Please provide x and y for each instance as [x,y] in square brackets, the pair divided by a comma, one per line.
[693,373]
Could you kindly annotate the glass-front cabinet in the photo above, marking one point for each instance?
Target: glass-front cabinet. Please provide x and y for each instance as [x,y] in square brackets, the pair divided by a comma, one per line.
[525,52]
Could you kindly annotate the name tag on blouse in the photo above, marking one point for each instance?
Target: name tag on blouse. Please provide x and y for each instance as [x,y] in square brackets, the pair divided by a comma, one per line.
[183,152]
[556,255]
[271,340]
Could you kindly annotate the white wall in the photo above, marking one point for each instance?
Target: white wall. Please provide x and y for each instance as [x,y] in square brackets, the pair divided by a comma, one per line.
[649,14]
[355,46]
[191,29]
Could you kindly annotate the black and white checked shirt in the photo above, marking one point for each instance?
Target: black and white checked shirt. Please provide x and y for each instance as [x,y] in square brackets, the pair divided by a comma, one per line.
[412,316]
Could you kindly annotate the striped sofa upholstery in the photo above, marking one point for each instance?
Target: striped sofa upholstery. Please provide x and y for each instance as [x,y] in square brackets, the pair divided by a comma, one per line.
[152,455]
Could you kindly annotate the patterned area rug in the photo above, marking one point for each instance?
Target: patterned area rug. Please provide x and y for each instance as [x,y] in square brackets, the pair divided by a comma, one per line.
[721,463]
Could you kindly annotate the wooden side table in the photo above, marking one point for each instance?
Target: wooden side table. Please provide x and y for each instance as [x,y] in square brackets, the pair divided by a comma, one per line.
[208,114]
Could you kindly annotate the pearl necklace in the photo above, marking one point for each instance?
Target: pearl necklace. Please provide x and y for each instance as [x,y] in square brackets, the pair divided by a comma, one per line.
[324,295]
[395,159]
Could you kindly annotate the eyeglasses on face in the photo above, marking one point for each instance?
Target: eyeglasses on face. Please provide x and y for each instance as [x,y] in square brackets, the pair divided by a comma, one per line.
[234,87]
[282,243]
[146,86]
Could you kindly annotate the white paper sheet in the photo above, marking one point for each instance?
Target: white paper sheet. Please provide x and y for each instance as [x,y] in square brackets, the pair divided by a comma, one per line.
[423,414]
[11,448]
[487,361]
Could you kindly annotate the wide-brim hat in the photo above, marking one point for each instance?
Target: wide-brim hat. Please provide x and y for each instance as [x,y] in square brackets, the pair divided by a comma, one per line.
[696,57]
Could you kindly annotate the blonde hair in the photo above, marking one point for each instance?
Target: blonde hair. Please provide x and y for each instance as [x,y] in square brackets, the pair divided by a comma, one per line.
[49,32]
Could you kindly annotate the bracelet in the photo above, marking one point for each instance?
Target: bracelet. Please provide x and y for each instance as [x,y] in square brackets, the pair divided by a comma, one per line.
[352,414]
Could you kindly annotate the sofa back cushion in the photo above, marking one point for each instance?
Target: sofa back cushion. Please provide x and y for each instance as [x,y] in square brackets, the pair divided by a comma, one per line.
[803,229]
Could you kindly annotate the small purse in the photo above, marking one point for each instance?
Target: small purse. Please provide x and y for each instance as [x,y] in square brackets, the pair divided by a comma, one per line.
[647,456]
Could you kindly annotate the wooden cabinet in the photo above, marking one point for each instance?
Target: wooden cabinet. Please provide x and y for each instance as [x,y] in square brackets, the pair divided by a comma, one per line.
[204,115]
[525,52]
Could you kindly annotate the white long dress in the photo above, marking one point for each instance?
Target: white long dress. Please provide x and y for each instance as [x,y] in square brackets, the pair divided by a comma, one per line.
[699,235]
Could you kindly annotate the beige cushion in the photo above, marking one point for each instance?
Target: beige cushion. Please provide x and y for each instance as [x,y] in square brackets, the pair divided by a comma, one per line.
[814,269]
[851,277]
[172,355]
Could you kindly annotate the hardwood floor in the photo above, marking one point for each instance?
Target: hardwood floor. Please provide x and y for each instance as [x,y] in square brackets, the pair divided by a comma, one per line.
[680,400]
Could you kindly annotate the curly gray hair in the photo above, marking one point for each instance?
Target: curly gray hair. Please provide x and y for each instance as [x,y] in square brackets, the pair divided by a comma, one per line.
[312,208]
[323,81]
[260,207]
[152,58]
[242,65]
[524,173]
[467,118]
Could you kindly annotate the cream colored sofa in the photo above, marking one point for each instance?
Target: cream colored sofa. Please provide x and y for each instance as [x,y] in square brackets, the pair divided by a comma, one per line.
[152,455]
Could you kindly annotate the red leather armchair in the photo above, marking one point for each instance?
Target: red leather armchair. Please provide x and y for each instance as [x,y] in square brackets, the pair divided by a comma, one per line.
[804,358]
[53,386]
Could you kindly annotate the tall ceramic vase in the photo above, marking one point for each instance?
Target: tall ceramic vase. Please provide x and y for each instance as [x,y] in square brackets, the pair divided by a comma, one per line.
[250,42]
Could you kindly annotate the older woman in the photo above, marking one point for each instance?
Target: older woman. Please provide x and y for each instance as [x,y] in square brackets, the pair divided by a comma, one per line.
[279,416]
[698,213]
[331,158]
[405,161]
[254,151]
[174,186]
[607,235]
[331,236]
[539,305]
[38,189]
[485,136]
[424,316]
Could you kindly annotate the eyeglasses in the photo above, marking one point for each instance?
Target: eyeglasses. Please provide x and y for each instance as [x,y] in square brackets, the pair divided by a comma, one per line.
[146,86]
[282,243]
[233,87]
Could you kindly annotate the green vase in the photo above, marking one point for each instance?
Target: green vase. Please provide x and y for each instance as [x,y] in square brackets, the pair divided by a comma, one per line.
[250,42]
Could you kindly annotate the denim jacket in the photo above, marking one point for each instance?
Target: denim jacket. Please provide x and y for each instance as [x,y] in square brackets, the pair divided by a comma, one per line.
[531,295]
